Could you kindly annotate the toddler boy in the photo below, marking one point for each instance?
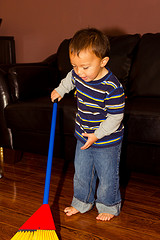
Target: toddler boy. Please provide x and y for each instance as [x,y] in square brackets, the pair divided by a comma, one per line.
[98,124]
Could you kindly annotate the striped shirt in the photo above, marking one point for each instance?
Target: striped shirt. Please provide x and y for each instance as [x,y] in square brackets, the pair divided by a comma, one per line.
[96,100]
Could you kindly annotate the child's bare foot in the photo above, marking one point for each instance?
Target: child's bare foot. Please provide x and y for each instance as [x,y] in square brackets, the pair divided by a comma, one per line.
[104,217]
[69,211]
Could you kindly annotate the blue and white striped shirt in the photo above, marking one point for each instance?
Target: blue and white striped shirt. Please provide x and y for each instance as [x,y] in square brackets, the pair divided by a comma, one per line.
[100,107]
[95,101]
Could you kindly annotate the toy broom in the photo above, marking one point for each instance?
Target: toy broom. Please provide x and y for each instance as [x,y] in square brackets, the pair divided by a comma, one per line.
[40,225]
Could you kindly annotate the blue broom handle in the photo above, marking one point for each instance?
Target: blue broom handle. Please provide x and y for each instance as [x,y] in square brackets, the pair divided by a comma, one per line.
[50,154]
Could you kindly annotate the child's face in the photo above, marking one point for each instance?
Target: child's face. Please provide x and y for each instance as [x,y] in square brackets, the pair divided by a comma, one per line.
[88,66]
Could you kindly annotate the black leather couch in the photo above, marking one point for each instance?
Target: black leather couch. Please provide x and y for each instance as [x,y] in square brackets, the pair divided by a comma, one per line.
[25,106]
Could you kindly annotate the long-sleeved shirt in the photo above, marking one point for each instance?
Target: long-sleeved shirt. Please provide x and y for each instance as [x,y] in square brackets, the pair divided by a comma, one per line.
[100,107]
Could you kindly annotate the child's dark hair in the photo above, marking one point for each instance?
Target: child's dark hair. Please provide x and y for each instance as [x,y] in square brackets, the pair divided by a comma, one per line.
[90,38]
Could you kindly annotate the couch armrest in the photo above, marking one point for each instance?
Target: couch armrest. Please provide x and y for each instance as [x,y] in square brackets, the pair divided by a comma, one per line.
[5,134]
[27,81]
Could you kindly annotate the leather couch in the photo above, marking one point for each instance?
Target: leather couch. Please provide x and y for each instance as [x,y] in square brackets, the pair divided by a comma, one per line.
[26,108]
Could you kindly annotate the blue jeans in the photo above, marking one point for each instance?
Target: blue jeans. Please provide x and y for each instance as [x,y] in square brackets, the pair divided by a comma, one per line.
[92,164]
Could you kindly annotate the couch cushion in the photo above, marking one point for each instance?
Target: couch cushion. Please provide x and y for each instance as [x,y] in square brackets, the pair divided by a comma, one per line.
[63,62]
[143,120]
[30,124]
[30,81]
[123,49]
[35,115]
[145,73]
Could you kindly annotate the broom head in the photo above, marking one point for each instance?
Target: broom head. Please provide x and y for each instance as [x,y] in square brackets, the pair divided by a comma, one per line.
[39,226]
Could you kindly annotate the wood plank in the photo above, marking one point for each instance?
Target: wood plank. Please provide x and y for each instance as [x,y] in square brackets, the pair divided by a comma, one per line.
[22,194]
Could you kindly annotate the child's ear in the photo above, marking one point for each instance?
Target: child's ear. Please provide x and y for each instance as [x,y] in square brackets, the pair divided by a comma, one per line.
[104,61]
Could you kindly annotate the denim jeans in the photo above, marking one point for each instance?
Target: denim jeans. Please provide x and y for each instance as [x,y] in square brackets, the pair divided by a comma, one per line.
[92,164]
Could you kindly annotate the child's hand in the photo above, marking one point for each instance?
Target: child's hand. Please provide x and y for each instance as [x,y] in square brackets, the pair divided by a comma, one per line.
[91,139]
[55,95]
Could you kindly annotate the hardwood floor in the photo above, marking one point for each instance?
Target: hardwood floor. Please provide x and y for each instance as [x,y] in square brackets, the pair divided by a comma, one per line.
[21,195]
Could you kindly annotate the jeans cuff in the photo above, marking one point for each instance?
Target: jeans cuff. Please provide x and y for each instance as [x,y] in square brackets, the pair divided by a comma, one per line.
[115,210]
[81,206]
